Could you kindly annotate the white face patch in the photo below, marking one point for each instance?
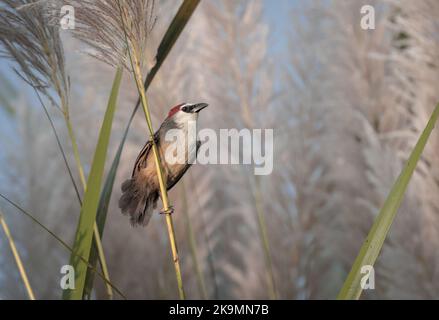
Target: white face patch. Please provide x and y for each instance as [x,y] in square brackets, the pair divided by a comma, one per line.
[184,117]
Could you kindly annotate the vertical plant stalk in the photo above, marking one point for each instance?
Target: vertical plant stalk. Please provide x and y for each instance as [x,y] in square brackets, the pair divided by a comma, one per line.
[171,35]
[104,268]
[17,258]
[262,225]
[193,244]
[163,191]
[264,238]
[75,150]
[210,258]
[173,32]
[134,56]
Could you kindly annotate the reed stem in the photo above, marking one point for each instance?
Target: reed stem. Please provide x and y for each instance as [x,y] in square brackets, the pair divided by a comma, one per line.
[264,238]
[17,258]
[260,215]
[193,244]
[163,189]
[134,56]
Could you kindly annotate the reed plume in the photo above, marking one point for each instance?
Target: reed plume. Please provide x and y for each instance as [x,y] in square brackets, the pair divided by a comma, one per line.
[35,46]
[100,26]
[29,37]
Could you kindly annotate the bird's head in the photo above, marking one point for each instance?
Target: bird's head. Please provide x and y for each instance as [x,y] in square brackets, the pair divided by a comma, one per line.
[185,111]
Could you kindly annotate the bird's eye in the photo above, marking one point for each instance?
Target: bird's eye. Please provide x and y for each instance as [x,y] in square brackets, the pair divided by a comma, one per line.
[184,109]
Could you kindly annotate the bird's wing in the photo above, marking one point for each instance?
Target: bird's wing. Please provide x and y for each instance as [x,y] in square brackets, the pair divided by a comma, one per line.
[173,180]
[141,161]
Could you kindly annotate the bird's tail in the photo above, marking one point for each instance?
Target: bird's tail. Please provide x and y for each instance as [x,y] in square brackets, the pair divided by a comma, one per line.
[138,203]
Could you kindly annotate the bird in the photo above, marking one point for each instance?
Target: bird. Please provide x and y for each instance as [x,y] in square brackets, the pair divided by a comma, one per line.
[140,193]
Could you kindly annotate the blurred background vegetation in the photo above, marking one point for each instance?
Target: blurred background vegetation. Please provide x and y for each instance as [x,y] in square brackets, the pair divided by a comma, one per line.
[347,106]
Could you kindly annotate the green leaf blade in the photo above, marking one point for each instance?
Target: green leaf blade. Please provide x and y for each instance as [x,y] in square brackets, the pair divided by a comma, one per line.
[84,232]
[371,247]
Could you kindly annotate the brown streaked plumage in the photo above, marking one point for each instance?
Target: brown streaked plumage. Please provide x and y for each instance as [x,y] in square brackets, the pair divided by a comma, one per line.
[141,192]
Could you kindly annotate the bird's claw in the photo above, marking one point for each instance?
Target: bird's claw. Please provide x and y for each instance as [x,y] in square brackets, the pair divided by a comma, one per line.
[169,211]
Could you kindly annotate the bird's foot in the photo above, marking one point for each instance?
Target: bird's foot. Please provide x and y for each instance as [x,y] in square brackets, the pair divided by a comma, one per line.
[169,211]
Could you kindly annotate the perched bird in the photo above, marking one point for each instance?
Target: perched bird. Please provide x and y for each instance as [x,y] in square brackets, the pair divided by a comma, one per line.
[141,192]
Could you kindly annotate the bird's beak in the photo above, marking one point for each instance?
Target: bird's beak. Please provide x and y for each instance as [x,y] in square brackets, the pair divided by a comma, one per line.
[198,107]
